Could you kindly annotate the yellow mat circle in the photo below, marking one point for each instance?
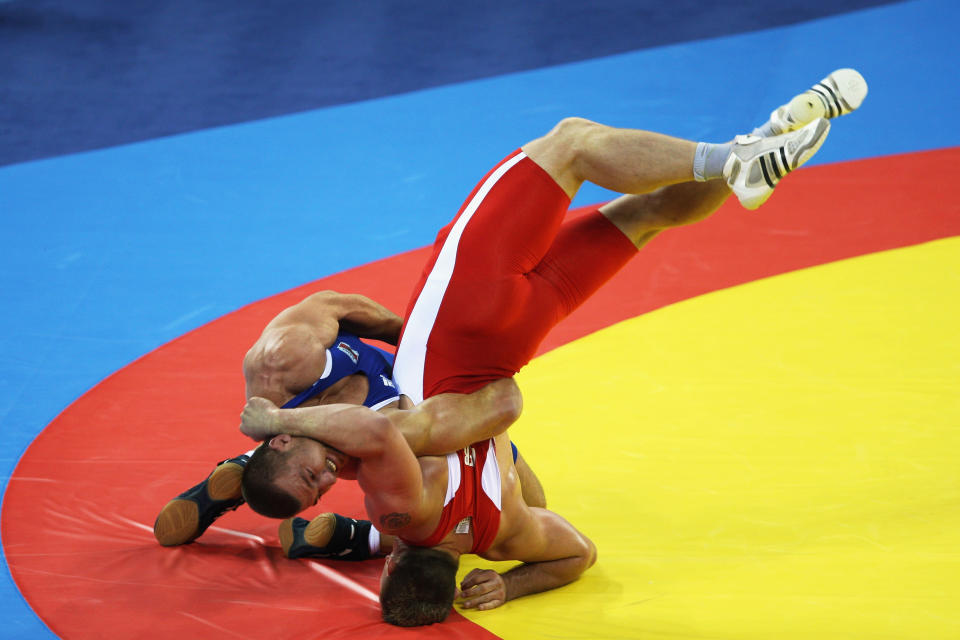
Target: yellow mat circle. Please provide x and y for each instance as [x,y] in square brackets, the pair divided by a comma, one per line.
[777,460]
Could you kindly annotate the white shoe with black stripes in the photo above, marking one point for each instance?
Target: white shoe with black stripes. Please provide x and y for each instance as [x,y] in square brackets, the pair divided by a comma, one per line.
[756,164]
[836,95]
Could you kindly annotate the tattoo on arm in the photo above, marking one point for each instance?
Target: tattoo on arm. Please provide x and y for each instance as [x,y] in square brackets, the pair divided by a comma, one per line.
[395,520]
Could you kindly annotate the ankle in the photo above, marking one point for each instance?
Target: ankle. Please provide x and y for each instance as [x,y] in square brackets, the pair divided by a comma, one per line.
[709,159]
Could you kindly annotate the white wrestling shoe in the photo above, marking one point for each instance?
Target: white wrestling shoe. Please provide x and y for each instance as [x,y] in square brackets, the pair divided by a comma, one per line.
[756,164]
[836,95]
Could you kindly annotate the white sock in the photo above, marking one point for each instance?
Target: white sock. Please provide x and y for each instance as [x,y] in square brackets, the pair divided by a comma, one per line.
[767,130]
[374,541]
[709,159]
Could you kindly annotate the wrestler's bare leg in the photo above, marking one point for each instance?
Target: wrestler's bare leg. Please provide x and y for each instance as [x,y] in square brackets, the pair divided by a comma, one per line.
[623,160]
[641,217]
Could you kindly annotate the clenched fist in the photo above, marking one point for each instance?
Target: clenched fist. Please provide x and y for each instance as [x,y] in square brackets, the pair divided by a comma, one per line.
[259,419]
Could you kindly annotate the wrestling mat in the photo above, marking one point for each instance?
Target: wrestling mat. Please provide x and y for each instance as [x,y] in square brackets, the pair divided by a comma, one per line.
[765,442]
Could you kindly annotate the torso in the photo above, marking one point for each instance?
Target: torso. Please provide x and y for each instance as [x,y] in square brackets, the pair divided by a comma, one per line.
[435,476]
[350,390]
[341,370]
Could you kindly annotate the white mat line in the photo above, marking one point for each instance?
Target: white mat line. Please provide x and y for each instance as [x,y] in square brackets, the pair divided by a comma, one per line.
[339,578]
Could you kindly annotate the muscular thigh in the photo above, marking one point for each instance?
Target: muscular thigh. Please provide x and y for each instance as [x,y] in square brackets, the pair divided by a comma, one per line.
[512,221]
[494,326]
[469,314]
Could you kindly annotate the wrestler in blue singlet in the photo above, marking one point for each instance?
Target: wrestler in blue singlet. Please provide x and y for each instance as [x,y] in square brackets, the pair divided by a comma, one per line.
[348,356]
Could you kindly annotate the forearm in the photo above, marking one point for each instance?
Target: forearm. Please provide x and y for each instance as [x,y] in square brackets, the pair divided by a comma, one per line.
[535,577]
[449,422]
[354,430]
[368,319]
[555,554]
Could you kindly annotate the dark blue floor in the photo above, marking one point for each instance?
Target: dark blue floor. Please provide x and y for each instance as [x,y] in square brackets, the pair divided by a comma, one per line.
[88,75]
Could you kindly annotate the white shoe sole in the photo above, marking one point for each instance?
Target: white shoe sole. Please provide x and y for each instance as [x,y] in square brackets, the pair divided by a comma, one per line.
[840,93]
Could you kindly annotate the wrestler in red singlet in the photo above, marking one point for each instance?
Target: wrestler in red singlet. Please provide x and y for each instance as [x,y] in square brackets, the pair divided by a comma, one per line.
[502,274]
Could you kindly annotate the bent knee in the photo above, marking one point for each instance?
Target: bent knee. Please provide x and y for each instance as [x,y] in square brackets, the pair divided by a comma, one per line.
[573,126]
[571,135]
[557,152]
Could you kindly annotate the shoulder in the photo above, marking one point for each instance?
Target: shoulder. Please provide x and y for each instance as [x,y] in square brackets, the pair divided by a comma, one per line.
[284,359]
[280,347]
[421,510]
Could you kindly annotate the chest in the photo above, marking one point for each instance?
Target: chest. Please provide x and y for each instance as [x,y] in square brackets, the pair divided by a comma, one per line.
[352,389]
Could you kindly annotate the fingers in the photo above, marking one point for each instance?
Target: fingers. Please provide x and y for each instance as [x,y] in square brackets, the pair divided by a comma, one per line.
[473,578]
[482,589]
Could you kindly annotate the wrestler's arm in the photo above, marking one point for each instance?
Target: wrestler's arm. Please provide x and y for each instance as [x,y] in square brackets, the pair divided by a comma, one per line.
[291,352]
[554,554]
[353,312]
[441,424]
[451,421]
[387,471]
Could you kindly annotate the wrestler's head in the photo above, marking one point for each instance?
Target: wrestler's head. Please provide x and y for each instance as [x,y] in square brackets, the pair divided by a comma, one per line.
[417,586]
[288,474]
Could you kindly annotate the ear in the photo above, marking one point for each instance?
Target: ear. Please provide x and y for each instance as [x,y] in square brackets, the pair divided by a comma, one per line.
[281,442]
[390,564]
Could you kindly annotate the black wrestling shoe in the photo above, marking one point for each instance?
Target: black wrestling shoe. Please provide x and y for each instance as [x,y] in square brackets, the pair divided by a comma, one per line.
[327,536]
[188,515]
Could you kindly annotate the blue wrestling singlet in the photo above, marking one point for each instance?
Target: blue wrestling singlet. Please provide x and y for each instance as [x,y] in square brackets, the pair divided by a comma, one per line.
[348,356]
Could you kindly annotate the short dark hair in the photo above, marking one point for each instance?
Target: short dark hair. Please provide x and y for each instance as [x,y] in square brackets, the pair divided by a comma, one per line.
[420,589]
[258,486]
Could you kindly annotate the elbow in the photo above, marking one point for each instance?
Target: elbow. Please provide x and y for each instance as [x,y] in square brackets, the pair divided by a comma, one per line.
[586,555]
[509,401]
[514,407]
[326,295]
[591,557]
[584,558]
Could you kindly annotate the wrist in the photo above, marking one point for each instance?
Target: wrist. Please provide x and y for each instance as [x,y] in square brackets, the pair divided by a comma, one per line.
[509,591]
[284,421]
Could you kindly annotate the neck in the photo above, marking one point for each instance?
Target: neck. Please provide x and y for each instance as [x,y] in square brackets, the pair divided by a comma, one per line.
[454,547]
[456,544]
